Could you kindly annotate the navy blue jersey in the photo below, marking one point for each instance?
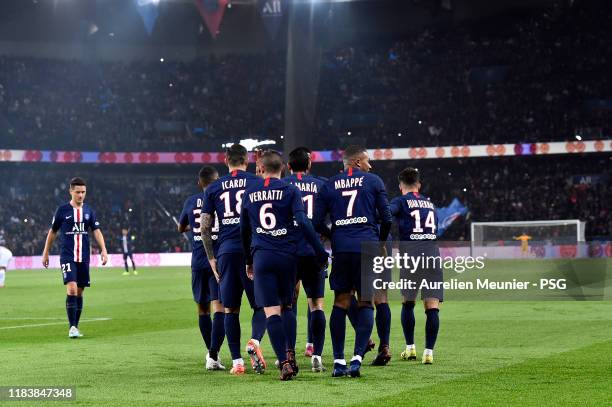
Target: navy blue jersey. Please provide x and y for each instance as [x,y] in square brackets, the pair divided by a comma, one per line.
[271,206]
[125,242]
[191,215]
[224,197]
[73,224]
[309,187]
[355,201]
[416,216]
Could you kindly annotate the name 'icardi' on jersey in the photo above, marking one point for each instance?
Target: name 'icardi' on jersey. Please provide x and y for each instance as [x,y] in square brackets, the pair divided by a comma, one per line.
[224,198]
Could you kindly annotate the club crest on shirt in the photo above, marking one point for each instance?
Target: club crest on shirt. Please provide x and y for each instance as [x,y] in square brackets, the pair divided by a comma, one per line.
[86,216]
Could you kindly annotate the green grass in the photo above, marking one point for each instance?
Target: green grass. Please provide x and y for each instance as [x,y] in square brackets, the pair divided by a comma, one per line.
[150,351]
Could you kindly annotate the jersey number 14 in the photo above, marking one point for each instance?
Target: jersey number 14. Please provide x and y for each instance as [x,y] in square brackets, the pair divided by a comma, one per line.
[429,221]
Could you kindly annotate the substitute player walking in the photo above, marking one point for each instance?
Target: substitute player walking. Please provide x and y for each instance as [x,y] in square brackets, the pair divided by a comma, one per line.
[73,221]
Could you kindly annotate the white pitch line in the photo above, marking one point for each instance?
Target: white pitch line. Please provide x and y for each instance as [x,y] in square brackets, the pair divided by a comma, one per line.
[53,323]
[22,318]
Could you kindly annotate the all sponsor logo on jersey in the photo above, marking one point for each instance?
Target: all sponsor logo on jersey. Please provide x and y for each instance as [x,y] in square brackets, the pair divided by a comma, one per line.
[78,227]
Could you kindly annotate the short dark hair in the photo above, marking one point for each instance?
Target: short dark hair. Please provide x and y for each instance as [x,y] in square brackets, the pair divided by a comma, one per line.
[409,176]
[207,174]
[299,159]
[237,155]
[77,181]
[272,161]
[352,151]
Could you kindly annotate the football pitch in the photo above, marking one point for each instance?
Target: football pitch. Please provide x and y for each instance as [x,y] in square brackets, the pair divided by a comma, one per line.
[142,346]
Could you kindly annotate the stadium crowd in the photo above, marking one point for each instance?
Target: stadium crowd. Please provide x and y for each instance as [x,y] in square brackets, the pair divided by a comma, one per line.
[500,189]
[527,78]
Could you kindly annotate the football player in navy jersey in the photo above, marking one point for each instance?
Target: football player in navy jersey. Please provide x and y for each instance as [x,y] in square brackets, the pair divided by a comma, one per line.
[417,223]
[125,242]
[354,199]
[223,198]
[273,224]
[73,221]
[204,285]
[309,272]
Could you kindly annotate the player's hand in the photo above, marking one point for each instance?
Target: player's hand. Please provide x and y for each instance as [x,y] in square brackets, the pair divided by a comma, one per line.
[104,257]
[249,271]
[323,260]
[45,260]
[382,250]
[213,266]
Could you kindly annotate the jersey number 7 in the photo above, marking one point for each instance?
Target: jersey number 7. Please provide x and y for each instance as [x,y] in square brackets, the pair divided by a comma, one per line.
[352,194]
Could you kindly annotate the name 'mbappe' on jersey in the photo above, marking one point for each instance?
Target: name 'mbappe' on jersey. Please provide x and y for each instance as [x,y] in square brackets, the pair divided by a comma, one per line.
[309,187]
[192,216]
[355,200]
[224,198]
[416,216]
[271,205]
[73,224]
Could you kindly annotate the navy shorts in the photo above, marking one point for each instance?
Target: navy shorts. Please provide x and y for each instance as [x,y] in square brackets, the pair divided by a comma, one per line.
[204,285]
[312,276]
[233,280]
[75,272]
[274,277]
[345,276]
[425,275]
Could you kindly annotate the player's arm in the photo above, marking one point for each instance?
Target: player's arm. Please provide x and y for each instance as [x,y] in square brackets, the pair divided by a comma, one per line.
[309,232]
[384,212]
[95,226]
[395,206]
[245,235]
[207,242]
[183,225]
[100,241]
[48,243]
[320,213]
[206,225]
[246,238]
[56,224]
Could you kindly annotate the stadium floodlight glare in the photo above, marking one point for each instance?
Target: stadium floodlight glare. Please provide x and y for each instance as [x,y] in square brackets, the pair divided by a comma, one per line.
[161,59]
[250,143]
[578,137]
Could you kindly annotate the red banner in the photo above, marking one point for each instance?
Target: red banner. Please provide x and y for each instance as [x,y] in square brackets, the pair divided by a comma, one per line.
[212,13]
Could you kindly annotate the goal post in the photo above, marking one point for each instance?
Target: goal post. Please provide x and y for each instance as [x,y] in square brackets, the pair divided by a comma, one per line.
[543,232]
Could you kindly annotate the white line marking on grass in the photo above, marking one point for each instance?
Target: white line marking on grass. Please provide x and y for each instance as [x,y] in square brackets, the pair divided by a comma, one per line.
[39,318]
[53,323]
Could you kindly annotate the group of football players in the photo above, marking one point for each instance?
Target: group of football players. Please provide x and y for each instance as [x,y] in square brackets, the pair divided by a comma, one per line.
[261,234]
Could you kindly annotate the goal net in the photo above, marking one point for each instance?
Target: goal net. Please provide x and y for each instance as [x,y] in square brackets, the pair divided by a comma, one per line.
[487,237]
